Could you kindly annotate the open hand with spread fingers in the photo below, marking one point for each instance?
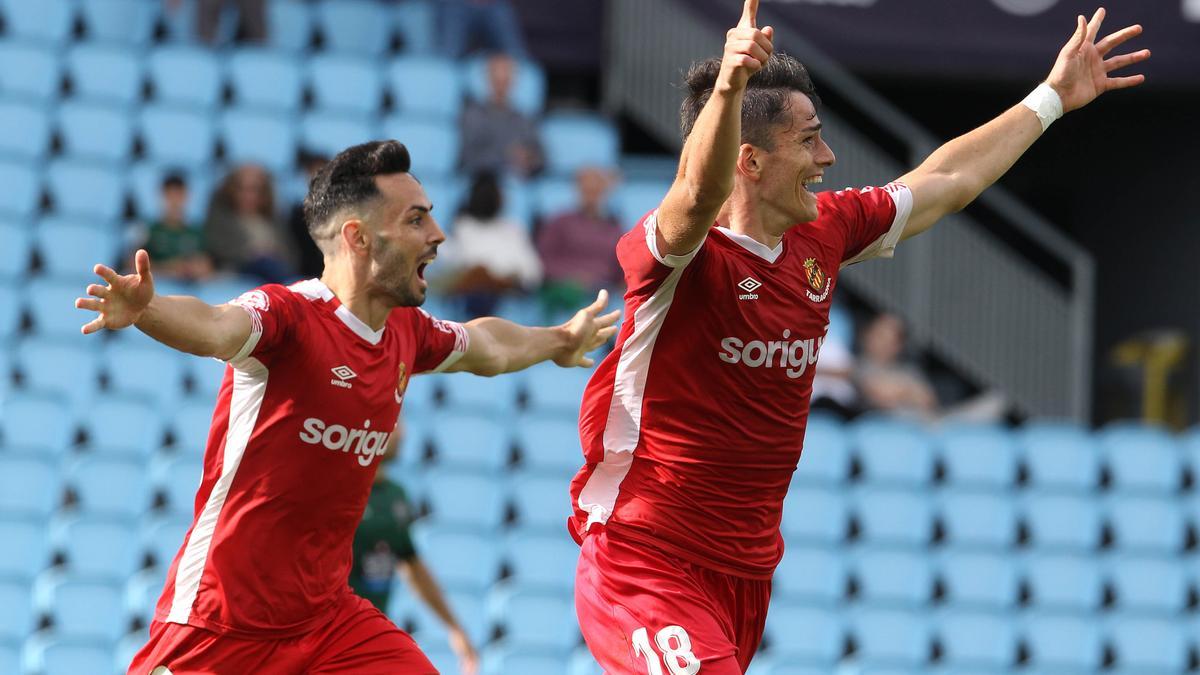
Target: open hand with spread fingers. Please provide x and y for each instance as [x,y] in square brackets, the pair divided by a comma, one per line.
[746,48]
[1081,72]
[121,303]
[587,330]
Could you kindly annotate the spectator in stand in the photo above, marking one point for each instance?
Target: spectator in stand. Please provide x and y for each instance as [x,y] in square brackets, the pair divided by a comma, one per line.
[487,256]
[252,18]
[242,231]
[491,23]
[177,245]
[496,136]
[578,247]
[309,258]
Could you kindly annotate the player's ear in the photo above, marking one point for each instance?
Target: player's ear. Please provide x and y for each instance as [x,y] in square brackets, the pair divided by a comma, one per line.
[749,161]
[355,237]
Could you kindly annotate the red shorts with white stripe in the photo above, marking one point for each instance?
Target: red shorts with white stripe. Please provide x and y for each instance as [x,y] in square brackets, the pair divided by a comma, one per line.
[357,639]
[646,612]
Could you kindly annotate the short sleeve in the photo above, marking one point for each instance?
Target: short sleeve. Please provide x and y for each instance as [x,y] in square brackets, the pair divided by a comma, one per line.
[873,219]
[440,343]
[637,252]
[272,312]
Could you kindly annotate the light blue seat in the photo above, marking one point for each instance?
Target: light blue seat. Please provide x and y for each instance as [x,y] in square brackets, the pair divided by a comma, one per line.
[142,592]
[893,453]
[1068,583]
[30,72]
[464,560]
[1152,525]
[549,444]
[484,395]
[761,666]
[180,483]
[554,195]
[892,637]
[1143,460]
[799,632]
[1060,643]
[10,656]
[206,376]
[145,180]
[977,640]
[815,515]
[468,607]
[1060,458]
[24,130]
[291,24]
[977,580]
[118,426]
[445,193]
[16,610]
[101,548]
[528,92]
[433,144]
[71,247]
[895,518]
[37,421]
[535,619]
[329,133]
[265,139]
[153,372]
[186,76]
[518,206]
[10,323]
[128,22]
[634,199]
[16,247]
[1152,645]
[88,610]
[895,578]
[416,23]
[105,74]
[87,190]
[468,500]
[978,457]
[163,539]
[1062,522]
[500,661]
[177,135]
[190,425]
[265,80]
[25,552]
[978,519]
[355,26]
[542,561]
[574,140]
[553,389]
[811,574]
[66,369]
[43,22]
[129,646]
[1151,585]
[346,84]
[471,441]
[22,189]
[826,456]
[426,86]
[51,304]
[110,487]
[542,503]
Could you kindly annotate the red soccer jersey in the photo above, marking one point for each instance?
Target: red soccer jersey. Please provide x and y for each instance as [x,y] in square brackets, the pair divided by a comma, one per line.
[303,413]
[693,425]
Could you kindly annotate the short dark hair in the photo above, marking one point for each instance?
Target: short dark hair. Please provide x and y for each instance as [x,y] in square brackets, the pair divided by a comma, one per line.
[174,179]
[348,181]
[767,97]
[484,199]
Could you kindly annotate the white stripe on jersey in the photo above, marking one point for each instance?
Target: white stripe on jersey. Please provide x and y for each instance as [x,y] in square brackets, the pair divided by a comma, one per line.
[885,245]
[249,387]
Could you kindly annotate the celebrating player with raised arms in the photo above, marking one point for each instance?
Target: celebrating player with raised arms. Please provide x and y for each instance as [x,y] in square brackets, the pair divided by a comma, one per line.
[693,426]
[316,377]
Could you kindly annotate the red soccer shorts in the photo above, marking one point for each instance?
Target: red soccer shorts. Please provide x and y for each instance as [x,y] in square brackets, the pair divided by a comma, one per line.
[358,639]
[645,612]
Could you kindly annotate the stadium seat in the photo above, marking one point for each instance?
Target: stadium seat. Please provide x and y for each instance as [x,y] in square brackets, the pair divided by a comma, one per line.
[517,201]
[38,421]
[71,247]
[163,539]
[206,376]
[975,580]
[129,646]
[22,189]
[499,661]
[142,592]
[10,323]
[635,198]
[541,561]
[180,482]
[16,247]
[977,639]
[574,140]
[826,456]
[10,656]
[528,93]
[1068,583]
[264,80]
[549,445]
[427,86]
[978,457]
[88,610]
[51,304]
[362,27]
[470,610]
[1152,525]
[1062,522]
[466,499]
[345,84]
[1149,585]
[30,72]
[16,610]
[446,193]
[895,518]
[417,25]
[811,575]
[891,637]
[803,633]
[25,552]
[761,666]
[542,503]
[105,74]
[110,487]
[1151,645]
[493,396]
[894,578]
[1143,460]
[814,515]
[893,453]
[1060,458]
[24,130]
[101,548]
[470,442]
[146,177]
[978,519]
[184,75]
[443,659]
[464,560]
[117,426]
[535,619]
[553,389]
[68,369]
[291,25]
[433,144]
[154,372]
[261,138]
[128,22]
[43,22]
[329,133]
[89,190]
[553,195]
[177,135]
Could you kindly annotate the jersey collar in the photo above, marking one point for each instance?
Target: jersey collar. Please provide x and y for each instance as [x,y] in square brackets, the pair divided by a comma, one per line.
[756,247]
[315,289]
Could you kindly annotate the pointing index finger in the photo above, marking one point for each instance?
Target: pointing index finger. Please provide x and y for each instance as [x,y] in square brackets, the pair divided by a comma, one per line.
[749,15]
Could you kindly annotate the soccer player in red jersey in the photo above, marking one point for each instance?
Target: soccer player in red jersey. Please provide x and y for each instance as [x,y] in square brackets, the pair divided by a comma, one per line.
[316,377]
[693,425]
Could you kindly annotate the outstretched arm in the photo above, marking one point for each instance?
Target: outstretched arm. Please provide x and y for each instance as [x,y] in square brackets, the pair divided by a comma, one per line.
[418,577]
[959,171]
[178,321]
[705,176]
[499,346]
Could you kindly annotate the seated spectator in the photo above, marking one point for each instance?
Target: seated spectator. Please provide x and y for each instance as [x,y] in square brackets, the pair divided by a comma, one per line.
[495,136]
[241,229]
[486,255]
[175,245]
[311,261]
[491,23]
[833,388]
[578,247]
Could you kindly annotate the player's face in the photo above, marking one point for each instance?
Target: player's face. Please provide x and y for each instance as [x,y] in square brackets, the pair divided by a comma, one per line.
[793,169]
[405,241]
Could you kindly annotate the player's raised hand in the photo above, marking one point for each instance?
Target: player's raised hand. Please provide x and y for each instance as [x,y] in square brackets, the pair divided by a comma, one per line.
[123,300]
[588,330]
[746,48]
[1081,72]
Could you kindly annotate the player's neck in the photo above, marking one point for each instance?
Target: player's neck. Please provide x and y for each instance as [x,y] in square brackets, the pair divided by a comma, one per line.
[351,291]
[747,218]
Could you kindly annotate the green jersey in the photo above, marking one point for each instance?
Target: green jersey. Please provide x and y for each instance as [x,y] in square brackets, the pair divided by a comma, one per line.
[382,539]
[164,242]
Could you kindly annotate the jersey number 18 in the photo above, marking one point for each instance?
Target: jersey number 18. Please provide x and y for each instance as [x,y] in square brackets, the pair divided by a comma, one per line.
[676,649]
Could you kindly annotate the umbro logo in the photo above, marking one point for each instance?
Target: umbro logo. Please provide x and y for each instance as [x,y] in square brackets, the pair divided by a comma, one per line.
[343,374]
[749,285]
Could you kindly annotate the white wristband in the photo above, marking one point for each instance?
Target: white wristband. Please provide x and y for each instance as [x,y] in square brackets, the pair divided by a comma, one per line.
[1044,101]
